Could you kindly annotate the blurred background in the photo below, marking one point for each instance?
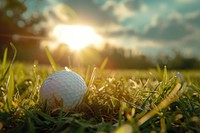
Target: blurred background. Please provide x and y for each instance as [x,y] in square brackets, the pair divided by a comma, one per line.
[132,34]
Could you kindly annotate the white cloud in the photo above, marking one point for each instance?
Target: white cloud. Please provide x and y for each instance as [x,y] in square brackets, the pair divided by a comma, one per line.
[193,19]
[154,20]
[144,8]
[187,1]
[162,7]
[175,15]
[192,14]
[113,27]
[58,14]
[188,51]
[52,2]
[122,12]
[147,43]
[118,9]
[109,4]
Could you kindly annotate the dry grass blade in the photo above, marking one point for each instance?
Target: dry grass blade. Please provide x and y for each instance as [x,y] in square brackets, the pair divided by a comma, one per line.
[92,77]
[162,125]
[126,128]
[172,97]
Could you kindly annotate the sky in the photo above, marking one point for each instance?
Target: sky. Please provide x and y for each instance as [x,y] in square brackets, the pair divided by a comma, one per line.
[150,27]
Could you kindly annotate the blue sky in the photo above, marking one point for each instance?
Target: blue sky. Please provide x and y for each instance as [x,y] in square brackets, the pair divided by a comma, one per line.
[147,26]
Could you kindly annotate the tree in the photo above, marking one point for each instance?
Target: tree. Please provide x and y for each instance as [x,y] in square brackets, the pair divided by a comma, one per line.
[14,27]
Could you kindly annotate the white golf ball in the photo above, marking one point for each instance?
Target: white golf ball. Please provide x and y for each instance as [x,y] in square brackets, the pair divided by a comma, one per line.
[63,86]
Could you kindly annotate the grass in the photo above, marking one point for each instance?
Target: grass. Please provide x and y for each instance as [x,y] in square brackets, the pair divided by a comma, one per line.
[116,101]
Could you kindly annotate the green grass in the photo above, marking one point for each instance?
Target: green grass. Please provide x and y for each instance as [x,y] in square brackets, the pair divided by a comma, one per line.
[116,101]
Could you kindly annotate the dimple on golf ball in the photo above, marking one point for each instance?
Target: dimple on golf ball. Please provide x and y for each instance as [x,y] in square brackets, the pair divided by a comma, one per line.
[65,86]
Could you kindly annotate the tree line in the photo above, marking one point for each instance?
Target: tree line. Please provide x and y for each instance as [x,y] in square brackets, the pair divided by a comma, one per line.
[118,58]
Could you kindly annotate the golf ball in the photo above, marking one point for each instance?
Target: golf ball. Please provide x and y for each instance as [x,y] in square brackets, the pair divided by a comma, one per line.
[63,86]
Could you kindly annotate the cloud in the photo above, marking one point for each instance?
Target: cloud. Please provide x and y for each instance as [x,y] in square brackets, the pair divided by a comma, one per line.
[167,30]
[192,41]
[189,47]
[134,5]
[116,30]
[118,9]
[120,33]
[194,19]
[124,9]
[91,13]
[59,13]
[186,1]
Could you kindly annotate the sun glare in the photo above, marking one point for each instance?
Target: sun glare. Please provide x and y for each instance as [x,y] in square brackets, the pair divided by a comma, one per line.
[76,36]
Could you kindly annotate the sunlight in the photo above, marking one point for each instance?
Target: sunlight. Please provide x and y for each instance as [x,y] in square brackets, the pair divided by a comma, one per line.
[76,36]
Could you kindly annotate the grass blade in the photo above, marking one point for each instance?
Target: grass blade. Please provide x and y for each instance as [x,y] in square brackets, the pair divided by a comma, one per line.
[87,74]
[10,89]
[12,61]
[92,77]
[51,60]
[165,77]
[126,128]
[103,64]
[159,72]
[3,67]
[162,125]
[69,63]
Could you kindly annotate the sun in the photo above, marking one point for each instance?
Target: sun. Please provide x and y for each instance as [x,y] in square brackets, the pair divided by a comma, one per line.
[76,36]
